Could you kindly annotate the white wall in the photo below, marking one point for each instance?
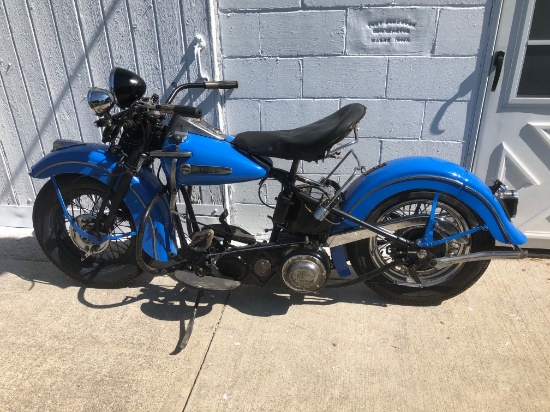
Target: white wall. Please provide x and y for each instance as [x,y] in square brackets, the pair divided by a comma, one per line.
[52,51]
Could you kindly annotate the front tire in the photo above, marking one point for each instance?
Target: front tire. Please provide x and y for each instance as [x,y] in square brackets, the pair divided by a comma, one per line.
[438,284]
[114,264]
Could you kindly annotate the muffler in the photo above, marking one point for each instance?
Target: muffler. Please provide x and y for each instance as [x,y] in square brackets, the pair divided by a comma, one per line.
[472,257]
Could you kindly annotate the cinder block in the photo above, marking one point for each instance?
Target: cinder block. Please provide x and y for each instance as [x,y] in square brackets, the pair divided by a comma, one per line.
[247,192]
[263,5]
[340,179]
[302,33]
[362,3]
[459,31]
[444,121]
[240,34]
[264,78]
[390,118]
[432,78]
[345,77]
[283,164]
[390,31]
[252,218]
[242,116]
[393,149]
[368,151]
[289,114]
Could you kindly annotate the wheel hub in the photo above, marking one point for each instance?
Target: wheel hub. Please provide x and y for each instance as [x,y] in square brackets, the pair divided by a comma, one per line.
[86,223]
[419,258]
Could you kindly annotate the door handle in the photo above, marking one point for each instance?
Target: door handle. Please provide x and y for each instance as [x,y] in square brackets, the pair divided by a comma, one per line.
[498,62]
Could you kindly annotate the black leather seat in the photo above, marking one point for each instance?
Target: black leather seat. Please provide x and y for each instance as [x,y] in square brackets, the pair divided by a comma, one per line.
[309,142]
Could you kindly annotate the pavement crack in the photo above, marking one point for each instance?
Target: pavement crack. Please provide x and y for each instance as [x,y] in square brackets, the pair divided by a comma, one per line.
[206,353]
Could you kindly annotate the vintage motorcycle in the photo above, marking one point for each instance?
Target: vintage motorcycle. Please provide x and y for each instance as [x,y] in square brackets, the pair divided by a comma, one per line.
[416,230]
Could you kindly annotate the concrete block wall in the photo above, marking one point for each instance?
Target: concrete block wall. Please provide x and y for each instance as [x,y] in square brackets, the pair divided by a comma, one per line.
[415,65]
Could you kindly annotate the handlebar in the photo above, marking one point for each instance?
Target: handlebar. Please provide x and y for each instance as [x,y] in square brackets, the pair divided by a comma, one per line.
[224,84]
[186,111]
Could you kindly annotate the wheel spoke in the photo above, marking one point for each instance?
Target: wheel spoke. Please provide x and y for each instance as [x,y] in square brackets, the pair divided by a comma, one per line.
[443,211]
[89,204]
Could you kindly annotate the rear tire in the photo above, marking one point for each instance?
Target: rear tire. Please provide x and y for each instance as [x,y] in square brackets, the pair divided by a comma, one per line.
[439,284]
[115,265]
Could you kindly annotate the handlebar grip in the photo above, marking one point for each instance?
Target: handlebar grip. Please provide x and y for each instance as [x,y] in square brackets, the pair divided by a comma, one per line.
[185,111]
[224,84]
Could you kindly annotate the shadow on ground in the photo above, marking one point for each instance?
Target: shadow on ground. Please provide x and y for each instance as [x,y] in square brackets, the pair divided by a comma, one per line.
[163,298]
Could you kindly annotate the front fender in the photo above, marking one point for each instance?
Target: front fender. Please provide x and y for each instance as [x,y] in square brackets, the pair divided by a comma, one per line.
[96,161]
[427,173]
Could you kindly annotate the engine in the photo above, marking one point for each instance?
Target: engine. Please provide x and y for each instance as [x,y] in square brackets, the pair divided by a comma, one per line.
[305,270]
[298,268]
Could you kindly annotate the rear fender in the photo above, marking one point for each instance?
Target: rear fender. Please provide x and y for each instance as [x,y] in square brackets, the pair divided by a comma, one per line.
[94,160]
[426,173]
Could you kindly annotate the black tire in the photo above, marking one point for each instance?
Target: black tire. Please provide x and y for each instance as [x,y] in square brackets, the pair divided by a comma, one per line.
[115,266]
[439,284]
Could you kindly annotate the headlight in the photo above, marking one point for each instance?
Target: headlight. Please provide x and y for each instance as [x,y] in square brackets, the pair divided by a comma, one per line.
[100,100]
[126,86]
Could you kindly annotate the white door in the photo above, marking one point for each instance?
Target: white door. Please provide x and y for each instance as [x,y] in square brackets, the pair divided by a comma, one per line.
[514,137]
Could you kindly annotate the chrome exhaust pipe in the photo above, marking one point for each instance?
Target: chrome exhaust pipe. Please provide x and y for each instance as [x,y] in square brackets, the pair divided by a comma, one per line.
[354,234]
[472,257]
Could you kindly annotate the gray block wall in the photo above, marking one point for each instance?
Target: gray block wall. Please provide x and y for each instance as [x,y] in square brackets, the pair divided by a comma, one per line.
[415,65]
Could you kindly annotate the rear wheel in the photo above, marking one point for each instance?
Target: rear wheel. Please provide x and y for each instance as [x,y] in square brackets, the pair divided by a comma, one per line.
[112,263]
[437,284]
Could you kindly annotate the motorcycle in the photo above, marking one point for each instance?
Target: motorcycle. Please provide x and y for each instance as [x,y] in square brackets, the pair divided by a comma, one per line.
[416,230]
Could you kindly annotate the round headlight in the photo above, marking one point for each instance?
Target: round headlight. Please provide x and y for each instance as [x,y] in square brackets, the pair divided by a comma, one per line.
[126,86]
[100,100]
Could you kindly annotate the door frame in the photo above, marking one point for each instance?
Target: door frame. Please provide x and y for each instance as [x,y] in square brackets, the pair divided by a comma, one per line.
[514,25]
[509,67]
[487,73]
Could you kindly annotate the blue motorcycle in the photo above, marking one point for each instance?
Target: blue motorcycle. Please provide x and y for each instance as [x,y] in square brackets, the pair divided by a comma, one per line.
[416,230]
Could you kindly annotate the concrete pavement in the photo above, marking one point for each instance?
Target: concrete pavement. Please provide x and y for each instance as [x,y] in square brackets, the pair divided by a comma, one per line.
[68,348]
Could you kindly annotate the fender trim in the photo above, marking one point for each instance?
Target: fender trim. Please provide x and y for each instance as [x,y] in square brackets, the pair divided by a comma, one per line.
[95,161]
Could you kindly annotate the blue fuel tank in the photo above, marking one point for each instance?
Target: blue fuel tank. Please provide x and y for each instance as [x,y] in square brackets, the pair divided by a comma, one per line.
[210,162]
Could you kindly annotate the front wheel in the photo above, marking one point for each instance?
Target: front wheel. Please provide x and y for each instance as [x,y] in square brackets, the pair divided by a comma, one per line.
[112,263]
[436,285]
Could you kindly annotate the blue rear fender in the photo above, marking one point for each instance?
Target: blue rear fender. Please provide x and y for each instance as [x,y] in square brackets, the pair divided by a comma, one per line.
[427,173]
[94,160]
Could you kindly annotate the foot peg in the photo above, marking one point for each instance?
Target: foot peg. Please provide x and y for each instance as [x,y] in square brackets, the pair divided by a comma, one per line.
[202,240]
[191,280]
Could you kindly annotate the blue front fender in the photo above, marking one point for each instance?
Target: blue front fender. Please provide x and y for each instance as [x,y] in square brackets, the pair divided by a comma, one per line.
[94,160]
[427,173]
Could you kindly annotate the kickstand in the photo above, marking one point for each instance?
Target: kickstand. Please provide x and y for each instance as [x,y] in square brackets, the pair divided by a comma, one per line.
[189,328]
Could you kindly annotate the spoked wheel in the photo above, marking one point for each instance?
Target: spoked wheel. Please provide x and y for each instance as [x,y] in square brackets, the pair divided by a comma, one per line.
[107,265]
[436,284]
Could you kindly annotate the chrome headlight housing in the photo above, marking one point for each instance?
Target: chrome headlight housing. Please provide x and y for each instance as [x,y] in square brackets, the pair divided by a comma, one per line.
[100,100]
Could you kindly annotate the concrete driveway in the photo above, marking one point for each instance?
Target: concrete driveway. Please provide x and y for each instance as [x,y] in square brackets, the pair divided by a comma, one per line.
[68,348]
